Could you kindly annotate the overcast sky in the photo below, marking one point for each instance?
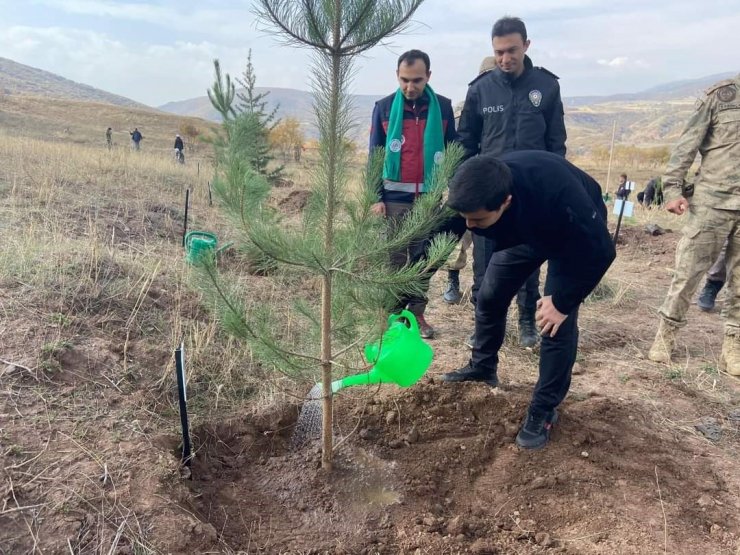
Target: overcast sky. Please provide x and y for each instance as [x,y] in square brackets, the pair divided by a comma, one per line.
[155,51]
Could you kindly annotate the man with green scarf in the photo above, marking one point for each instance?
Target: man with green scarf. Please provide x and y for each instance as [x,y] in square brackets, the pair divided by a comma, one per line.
[413,125]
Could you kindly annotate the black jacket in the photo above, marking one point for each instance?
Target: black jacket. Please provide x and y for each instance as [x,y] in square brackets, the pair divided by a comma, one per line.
[501,115]
[179,144]
[559,211]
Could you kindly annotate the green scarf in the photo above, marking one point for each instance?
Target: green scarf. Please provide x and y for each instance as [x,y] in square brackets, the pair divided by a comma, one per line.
[434,143]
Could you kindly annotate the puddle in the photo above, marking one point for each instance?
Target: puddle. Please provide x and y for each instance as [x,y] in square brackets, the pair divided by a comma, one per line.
[380,496]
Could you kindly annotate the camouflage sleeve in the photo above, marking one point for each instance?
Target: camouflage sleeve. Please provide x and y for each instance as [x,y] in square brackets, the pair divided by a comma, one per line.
[685,150]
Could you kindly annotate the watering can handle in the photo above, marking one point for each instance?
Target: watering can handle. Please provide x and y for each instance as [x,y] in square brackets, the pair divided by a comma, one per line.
[410,318]
[192,234]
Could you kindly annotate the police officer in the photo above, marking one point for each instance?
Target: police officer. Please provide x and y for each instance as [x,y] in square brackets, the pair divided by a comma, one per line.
[514,107]
[714,216]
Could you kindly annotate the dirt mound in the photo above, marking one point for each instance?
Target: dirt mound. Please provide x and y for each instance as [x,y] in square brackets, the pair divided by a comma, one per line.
[435,469]
[295,202]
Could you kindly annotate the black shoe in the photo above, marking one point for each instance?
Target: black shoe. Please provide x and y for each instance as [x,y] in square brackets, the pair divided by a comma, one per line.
[528,335]
[468,374]
[535,432]
[709,295]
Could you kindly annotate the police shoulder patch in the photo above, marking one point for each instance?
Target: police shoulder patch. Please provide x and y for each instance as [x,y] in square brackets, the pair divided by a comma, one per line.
[550,73]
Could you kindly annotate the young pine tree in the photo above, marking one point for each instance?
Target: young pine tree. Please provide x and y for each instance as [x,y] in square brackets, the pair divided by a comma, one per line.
[247,113]
[339,249]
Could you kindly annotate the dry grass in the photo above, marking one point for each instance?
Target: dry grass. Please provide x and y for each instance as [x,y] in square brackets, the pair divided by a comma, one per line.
[95,295]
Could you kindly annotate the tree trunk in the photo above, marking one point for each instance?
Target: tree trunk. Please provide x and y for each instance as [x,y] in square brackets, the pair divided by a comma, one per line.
[332,153]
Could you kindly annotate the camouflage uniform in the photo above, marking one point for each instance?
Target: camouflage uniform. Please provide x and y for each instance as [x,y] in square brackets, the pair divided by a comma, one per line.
[714,212]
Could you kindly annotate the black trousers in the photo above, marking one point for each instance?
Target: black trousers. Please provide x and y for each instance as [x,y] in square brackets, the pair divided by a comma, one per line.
[528,294]
[395,212]
[503,278]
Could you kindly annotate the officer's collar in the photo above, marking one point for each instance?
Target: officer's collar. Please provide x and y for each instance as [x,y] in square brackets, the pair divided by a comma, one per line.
[528,65]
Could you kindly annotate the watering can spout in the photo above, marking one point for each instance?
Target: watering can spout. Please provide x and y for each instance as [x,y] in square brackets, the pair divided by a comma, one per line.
[360,379]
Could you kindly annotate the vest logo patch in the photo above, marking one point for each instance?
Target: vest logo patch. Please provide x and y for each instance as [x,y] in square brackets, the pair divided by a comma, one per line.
[535,97]
[395,145]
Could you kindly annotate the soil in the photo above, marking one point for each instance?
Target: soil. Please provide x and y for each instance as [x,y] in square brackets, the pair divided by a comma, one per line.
[89,452]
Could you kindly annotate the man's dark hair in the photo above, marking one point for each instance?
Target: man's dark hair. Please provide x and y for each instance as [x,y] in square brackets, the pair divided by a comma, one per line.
[508,25]
[412,55]
[623,175]
[480,182]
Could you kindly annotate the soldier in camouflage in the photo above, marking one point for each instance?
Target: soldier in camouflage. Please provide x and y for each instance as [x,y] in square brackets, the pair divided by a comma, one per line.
[714,216]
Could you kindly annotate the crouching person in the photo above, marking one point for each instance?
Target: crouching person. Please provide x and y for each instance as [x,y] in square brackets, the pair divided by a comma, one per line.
[538,207]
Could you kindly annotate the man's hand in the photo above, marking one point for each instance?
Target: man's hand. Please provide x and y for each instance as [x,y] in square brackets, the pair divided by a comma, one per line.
[378,208]
[678,206]
[548,317]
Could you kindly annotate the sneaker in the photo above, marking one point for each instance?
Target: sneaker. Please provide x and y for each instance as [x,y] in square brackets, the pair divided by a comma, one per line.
[535,432]
[426,331]
[469,374]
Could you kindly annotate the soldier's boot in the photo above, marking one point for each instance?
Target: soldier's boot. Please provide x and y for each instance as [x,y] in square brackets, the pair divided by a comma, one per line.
[665,341]
[452,294]
[528,335]
[709,295]
[729,360]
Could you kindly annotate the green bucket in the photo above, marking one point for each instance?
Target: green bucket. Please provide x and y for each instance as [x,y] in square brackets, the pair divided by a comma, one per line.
[401,357]
[199,245]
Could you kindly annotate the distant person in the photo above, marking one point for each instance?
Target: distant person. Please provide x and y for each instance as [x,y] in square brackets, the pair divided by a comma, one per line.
[179,149]
[109,138]
[413,125]
[136,137]
[623,191]
[647,196]
[516,106]
[713,206]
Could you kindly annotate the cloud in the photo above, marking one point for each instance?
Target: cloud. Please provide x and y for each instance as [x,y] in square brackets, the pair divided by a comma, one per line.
[622,62]
[155,51]
[152,74]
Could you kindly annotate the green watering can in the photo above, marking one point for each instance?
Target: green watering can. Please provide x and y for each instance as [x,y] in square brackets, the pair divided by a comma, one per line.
[200,244]
[401,357]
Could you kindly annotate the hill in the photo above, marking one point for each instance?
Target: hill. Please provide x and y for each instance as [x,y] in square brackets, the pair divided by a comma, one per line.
[85,122]
[651,117]
[290,103]
[95,294]
[674,90]
[17,79]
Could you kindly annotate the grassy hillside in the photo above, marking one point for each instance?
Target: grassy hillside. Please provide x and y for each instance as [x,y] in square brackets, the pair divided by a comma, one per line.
[17,78]
[95,294]
[84,123]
